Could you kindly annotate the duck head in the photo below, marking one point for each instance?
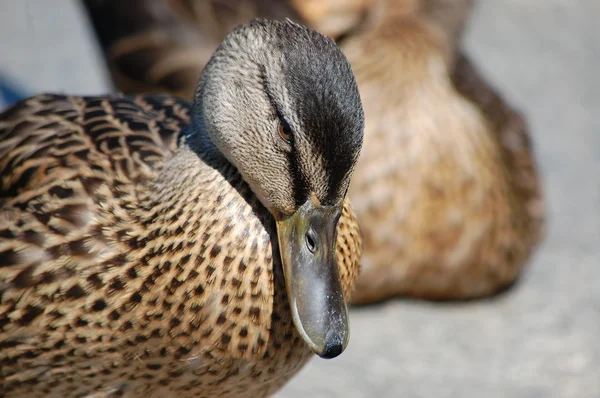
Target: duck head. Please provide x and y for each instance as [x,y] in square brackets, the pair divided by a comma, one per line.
[280,102]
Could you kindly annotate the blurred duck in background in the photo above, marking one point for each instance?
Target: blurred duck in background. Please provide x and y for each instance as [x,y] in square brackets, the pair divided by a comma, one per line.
[446,190]
[162,45]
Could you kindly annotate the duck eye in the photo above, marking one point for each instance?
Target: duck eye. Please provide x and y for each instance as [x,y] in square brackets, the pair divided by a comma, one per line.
[285,131]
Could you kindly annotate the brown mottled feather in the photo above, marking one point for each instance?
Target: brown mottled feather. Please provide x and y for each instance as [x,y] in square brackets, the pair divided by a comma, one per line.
[112,283]
[446,190]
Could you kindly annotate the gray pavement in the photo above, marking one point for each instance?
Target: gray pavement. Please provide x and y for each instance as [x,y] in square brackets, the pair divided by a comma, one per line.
[541,339]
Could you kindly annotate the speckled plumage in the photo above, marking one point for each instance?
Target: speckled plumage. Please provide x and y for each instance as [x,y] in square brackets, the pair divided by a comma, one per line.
[131,267]
[109,282]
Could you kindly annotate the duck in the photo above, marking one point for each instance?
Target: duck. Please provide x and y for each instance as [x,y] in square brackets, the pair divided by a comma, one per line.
[154,247]
[447,190]
[162,46]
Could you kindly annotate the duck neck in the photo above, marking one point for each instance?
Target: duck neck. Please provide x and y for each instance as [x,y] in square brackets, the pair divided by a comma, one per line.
[197,139]
[448,19]
[444,19]
[174,193]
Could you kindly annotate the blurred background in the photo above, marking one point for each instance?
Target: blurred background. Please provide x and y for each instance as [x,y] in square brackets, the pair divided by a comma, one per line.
[539,339]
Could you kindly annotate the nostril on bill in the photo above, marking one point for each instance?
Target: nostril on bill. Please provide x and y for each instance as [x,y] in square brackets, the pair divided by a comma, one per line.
[311,241]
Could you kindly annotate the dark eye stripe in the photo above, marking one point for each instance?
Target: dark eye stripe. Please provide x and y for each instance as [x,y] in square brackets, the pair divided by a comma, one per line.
[300,184]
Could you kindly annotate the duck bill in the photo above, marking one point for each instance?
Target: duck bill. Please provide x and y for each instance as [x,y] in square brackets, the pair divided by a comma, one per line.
[307,243]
